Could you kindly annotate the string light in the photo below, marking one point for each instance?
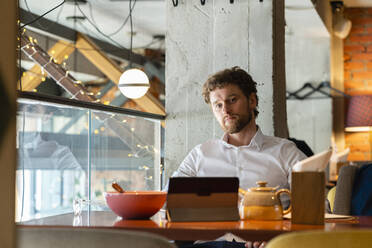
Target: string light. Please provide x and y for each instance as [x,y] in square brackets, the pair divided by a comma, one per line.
[55,60]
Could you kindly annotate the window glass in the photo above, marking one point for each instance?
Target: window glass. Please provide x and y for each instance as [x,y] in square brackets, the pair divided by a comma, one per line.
[67,153]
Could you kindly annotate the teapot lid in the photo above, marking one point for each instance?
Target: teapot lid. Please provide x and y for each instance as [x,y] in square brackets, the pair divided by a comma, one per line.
[261,187]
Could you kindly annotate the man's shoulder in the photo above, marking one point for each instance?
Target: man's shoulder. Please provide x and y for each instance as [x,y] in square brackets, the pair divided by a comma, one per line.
[276,141]
[284,146]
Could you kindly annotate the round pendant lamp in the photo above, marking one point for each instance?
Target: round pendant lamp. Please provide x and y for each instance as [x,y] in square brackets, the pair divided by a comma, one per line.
[134,83]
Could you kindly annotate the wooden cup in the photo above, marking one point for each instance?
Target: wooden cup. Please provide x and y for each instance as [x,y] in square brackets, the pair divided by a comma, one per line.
[308,197]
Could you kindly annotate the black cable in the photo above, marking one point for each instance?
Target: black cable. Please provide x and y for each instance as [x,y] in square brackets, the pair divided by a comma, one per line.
[125,21]
[87,31]
[41,16]
[120,27]
[20,30]
[38,23]
[131,33]
[96,28]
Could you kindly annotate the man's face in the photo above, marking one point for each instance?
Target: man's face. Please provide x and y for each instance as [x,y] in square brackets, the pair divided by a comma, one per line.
[232,109]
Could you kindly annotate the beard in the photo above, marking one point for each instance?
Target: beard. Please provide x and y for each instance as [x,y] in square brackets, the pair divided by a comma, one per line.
[237,123]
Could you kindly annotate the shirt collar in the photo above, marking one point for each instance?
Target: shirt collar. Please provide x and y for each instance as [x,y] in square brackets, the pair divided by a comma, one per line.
[256,142]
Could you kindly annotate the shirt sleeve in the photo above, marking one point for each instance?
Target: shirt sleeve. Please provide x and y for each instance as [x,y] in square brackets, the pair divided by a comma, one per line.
[188,166]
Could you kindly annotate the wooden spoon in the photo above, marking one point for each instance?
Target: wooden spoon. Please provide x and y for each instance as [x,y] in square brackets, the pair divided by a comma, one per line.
[117,187]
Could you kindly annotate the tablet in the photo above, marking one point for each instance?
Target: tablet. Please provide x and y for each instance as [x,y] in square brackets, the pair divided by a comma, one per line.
[203,199]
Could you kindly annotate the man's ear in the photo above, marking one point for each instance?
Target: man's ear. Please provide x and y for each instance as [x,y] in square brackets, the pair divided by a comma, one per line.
[252,100]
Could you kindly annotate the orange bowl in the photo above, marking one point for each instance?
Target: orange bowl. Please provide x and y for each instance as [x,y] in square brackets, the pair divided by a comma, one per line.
[135,204]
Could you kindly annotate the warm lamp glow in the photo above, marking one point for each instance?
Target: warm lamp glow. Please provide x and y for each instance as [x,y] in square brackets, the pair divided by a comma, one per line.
[134,83]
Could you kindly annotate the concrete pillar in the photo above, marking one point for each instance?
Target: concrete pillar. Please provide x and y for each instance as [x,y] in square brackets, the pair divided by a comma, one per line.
[203,39]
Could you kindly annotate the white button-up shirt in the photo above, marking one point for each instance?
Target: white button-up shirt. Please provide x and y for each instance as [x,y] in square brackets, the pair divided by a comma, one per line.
[266,158]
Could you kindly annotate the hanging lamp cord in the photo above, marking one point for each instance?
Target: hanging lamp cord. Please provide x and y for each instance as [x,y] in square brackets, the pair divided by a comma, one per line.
[131,33]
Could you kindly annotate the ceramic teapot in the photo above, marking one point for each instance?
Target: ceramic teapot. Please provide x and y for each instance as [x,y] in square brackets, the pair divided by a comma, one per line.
[263,203]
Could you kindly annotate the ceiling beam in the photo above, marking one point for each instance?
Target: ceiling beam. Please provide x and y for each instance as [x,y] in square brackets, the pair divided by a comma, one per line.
[62,32]
[33,77]
[108,67]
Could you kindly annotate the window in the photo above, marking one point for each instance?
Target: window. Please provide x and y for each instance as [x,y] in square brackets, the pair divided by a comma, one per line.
[71,150]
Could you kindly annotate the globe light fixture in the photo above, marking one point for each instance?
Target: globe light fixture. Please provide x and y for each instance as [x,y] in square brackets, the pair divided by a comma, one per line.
[134,83]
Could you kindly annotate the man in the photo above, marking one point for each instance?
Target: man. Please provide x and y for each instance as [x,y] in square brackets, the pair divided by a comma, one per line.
[243,151]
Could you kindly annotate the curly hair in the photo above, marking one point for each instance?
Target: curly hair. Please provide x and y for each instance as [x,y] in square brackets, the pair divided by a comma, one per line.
[234,76]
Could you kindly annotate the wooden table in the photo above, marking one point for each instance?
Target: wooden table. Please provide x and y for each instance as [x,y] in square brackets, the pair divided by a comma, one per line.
[248,230]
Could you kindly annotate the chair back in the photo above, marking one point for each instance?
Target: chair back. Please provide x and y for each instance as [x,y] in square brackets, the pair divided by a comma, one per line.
[323,239]
[62,237]
[344,190]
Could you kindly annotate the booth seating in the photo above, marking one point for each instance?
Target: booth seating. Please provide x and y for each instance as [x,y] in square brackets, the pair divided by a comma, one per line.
[63,237]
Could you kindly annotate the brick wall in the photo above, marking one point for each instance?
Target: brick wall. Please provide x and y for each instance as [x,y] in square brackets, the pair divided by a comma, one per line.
[358,74]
